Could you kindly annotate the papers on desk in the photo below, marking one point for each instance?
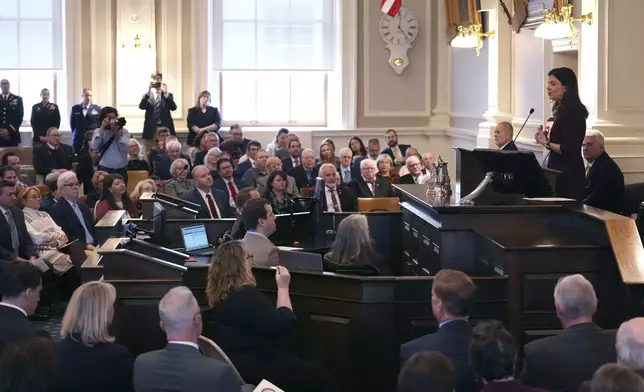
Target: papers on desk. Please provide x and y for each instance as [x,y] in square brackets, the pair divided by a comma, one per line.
[266,386]
[551,199]
[288,248]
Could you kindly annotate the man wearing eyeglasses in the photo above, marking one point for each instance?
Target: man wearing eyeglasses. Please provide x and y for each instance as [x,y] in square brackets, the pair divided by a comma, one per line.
[70,214]
[53,156]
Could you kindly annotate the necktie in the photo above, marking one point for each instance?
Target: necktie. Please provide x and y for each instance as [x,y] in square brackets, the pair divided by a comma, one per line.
[157,108]
[334,200]
[588,170]
[296,162]
[347,176]
[14,231]
[396,152]
[308,175]
[372,187]
[233,191]
[213,208]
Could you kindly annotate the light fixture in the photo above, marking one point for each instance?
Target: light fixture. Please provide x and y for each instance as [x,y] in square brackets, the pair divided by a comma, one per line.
[559,23]
[136,43]
[470,37]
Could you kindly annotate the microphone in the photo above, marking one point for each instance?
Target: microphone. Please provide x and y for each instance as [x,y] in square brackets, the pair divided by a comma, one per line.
[154,195]
[524,123]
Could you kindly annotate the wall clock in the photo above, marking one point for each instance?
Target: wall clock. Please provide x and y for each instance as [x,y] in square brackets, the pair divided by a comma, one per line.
[398,32]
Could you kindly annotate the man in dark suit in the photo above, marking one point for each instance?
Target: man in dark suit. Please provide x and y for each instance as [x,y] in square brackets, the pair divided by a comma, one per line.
[503,134]
[564,361]
[305,174]
[53,155]
[251,153]
[416,173]
[348,169]
[20,286]
[368,184]
[180,366]
[237,144]
[452,301]
[295,155]
[83,118]
[16,244]
[158,104]
[336,197]
[604,187]
[72,216]
[12,113]
[214,203]
[211,141]
[226,182]
[396,151]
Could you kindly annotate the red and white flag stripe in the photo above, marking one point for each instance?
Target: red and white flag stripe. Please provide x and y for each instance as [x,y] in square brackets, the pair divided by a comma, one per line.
[390,7]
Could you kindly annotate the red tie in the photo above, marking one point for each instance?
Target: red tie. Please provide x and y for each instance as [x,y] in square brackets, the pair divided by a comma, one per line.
[213,208]
[233,191]
[296,162]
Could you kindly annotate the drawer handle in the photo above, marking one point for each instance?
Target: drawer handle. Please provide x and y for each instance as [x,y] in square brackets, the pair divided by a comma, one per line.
[415,233]
[426,242]
[414,261]
[426,271]
[437,250]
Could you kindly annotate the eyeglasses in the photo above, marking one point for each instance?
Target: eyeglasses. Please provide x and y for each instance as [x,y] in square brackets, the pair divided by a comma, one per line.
[72,185]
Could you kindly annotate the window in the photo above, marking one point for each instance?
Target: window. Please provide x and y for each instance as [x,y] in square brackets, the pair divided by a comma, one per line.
[34,50]
[271,61]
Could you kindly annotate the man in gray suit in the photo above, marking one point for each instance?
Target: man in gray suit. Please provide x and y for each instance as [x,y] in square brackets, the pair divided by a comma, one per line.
[259,221]
[180,366]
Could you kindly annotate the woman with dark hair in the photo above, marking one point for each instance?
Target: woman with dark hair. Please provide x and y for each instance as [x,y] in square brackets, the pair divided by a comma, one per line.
[357,147]
[567,133]
[493,356]
[327,153]
[279,146]
[29,365]
[281,201]
[114,197]
[44,115]
[203,118]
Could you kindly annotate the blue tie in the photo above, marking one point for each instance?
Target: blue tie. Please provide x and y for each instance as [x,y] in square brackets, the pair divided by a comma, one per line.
[89,239]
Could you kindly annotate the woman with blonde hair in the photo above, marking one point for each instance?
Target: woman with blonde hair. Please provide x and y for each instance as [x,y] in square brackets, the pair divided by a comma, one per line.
[144,186]
[249,328]
[88,357]
[182,184]
[353,249]
[97,180]
[385,165]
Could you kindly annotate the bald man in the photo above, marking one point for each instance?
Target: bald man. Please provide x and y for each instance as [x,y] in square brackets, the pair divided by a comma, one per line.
[214,202]
[503,136]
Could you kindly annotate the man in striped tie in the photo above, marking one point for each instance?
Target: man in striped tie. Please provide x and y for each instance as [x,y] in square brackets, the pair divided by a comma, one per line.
[158,104]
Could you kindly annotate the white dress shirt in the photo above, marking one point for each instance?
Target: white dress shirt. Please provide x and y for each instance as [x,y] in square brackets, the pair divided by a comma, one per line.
[15,307]
[372,187]
[329,200]
[205,199]
[184,343]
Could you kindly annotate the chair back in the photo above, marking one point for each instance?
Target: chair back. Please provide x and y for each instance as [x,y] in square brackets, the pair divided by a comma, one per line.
[30,172]
[212,350]
[134,177]
[44,189]
[307,191]
[360,269]
[371,204]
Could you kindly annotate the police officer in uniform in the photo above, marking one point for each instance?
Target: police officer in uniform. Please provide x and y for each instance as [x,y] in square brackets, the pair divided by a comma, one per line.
[44,115]
[84,118]
[12,113]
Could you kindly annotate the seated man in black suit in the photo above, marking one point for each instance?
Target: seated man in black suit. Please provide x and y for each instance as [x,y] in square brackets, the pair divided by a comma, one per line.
[180,366]
[214,203]
[305,174]
[604,186]
[15,244]
[71,215]
[416,175]
[211,141]
[251,152]
[368,185]
[348,169]
[396,151]
[53,156]
[452,301]
[564,361]
[337,198]
[20,286]
[236,145]
[295,155]
[226,181]
[503,134]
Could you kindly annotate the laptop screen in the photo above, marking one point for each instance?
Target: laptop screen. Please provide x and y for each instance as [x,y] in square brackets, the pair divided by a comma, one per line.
[194,237]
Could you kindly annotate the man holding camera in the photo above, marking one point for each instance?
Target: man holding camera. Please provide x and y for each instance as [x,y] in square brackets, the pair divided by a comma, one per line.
[111,142]
[158,104]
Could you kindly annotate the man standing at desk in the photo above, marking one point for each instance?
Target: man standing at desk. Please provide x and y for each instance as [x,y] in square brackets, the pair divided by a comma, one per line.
[604,187]
[259,221]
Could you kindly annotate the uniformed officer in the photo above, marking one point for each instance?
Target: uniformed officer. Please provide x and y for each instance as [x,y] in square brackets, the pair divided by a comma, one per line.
[12,113]
[44,115]
[84,118]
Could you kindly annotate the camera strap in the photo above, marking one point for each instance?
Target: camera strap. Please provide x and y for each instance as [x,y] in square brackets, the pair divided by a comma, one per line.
[103,149]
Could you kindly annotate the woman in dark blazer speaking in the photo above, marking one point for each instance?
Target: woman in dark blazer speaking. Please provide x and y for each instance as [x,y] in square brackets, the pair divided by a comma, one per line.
[567,133]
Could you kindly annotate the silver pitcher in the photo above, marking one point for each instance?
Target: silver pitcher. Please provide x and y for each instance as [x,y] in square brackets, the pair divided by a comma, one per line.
[439,183]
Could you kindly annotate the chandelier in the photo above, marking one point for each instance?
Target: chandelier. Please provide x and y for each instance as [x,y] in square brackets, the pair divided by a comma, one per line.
[559,23]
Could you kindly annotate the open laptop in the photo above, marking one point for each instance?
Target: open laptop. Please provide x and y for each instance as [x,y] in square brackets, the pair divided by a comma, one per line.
[300,261]
[195,241]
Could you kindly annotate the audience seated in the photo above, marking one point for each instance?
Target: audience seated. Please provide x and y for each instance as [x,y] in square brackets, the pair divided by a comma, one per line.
[208,141]
[226,181]
[72,216]
[135,157]
[94,195]
[87,161]
[295,154]
[162,135]
[368,184]
[20,287]
[429,160]
[259,221]
[210,160]
[613,377]
[214,203]
[411,151]
[604,186]
[337,198]
[114,197]
[503,134]
[89,359]
[9,174]
[395,151]
[348,169]
[247,161]
[237,144]
[417,174]
[29,365]
[306,173]
[250,329]
[53,155]
[181,184]
[238,231]
[374,149]
[327,153]
[258,170]
[16,244]
[353,251]
[279,146]
[426,372]
[273,164]
[385,166]
[163,163]
[145,186]
[12,160]
[48,200]
[583,347]
[278,194]
[358,149]
[452,301]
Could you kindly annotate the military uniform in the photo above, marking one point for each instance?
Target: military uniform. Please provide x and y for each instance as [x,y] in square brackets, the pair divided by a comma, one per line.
[12,113]
[82,121]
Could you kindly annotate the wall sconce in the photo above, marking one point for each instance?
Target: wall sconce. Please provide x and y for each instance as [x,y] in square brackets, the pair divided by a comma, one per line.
[470,37]
[558,23]
[137,44]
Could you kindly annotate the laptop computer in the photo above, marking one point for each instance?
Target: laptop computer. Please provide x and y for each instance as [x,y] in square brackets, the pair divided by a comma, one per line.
[195,241]
[301,261]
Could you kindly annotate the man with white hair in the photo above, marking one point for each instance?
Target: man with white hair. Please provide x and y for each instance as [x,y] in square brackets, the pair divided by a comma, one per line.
[416,175]
[348,171]
[164,161]
[370,185]
[70,214]
[563,362]
[604,186]
[305,174]
[180,366]
[337,197]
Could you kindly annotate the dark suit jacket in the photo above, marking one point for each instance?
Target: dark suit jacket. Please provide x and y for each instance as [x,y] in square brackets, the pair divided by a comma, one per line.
[353,169]
[12,112]
[510,147]
[182,368]
[81,124]
[509,386]
[26,247]
[46,159]
[234,148]
[162,166]
[150,124]
[568,130]
[585,387]
[383,188]
[65,217]
[583,348]
[220,198]
[242,168]
[220,184]
[199,157]
[103,367]
[453,341]
[287,163]
[15,326]
[408,178]
[403,151]
[604,186]
[301,179]
[348,200]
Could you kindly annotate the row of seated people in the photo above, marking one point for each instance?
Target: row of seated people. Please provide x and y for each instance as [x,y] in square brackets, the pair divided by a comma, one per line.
[251,331]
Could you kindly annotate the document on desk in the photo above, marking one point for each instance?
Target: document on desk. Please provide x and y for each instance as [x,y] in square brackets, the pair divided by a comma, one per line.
[267,386]
[553,199]
[288,248]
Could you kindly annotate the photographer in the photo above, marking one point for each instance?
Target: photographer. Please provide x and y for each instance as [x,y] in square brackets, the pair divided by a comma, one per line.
[158,104]
[111,142]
